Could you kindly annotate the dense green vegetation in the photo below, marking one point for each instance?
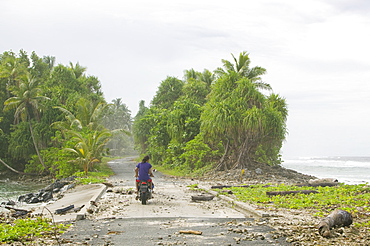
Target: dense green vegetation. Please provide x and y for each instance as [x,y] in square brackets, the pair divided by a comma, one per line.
[23,230]
[224,120]
[352,198]
[56,121]
[54,118]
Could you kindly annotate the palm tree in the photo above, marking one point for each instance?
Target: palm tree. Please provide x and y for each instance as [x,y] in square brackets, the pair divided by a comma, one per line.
[86,132]
[50,60]
[88,148]
[77,69]
[88,115]
[242,68]
[12,68]
[207,76]
[27,101]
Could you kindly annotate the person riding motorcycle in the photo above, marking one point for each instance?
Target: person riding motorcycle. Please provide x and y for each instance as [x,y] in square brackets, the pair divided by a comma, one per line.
[143,172]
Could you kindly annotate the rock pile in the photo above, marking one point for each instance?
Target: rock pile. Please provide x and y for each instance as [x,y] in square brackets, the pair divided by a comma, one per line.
[46,194]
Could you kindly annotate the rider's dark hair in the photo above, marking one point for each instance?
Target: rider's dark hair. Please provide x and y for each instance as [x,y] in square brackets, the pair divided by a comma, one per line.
[146,158]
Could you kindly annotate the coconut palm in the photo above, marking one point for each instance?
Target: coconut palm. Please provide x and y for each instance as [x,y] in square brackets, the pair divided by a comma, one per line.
[87,133]
[89,147]
[26,102]
[12,69]
[88,115]
[77,69]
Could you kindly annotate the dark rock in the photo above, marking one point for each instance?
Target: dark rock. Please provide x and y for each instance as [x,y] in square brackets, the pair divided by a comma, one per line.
[33,200]
[56,185]
[9,203]
[25,198]
[46,194]
[41,196]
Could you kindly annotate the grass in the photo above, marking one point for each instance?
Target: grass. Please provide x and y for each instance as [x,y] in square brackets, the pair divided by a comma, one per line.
[103,171]
[352,198]
[194,187]
[182,172]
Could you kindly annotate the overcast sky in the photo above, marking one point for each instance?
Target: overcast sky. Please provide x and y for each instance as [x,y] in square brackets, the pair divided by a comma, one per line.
[316,53]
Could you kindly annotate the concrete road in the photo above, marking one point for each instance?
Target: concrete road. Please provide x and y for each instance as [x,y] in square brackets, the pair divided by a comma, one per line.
[122,220]
[78,197]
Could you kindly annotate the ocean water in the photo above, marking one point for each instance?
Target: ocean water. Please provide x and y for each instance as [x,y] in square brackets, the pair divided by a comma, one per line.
[10,189]
[348,170]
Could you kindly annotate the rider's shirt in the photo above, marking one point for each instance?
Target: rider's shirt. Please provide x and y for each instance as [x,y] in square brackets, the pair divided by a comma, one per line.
[144,170]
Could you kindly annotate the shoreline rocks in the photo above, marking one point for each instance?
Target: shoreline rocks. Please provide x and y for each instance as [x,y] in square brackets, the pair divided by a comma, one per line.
[47,194]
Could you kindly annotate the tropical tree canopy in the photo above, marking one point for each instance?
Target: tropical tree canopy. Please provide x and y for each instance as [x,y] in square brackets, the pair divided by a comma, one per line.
[55,118]
[214,120]
[37,94]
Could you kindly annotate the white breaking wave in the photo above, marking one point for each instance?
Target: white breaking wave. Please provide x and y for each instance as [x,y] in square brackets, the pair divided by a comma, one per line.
[349,170]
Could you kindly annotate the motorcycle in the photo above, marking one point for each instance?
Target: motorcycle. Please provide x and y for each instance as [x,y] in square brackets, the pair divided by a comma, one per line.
[145,192]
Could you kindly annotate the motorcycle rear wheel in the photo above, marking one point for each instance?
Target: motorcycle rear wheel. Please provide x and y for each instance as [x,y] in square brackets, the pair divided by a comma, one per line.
[143,198]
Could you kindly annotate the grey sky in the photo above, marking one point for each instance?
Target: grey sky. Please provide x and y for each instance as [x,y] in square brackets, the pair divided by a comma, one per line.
[316,53]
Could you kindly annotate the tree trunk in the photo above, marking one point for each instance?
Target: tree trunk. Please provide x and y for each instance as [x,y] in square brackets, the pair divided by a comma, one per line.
[323,184]
[221,165]
[16,171]
[336,218]
[229,186]
[191,232]
[242,151]
[283,193]
[10,168]
[36,148]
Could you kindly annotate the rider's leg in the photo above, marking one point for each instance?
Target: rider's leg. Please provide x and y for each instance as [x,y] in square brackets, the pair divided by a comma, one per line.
[137,189]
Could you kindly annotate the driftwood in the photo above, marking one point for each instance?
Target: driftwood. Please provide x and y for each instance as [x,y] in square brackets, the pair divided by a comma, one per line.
[64,210]
[228,186]
[283,193]
[108,184]
[323,184]
[335,219]
[202,198]
[324,180]
[237,186]
[18,212]
[17,209]
[191,232]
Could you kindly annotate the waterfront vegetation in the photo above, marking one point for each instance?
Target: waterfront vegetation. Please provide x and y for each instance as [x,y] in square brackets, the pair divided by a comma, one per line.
[352,198]
[227,119]
[54,119]
[25,230]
